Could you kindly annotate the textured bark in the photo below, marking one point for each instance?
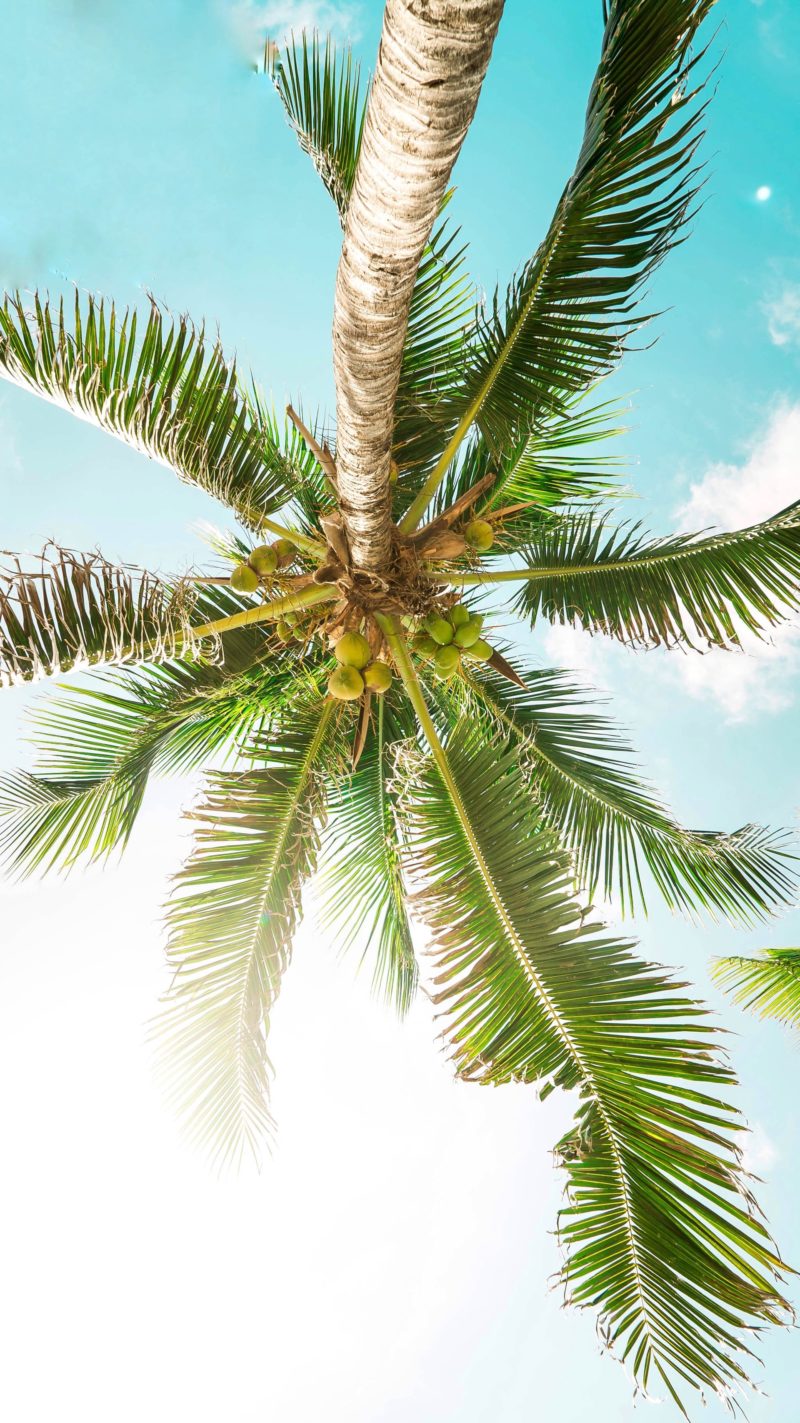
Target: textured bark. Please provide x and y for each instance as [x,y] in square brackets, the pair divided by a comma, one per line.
[432,59]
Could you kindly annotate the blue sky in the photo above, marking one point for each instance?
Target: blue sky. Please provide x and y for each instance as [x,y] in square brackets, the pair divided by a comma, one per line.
[393,1259]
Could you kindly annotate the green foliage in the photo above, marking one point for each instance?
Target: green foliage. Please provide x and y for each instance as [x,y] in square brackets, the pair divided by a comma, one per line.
[592,795]
[660,1232]
[98,746]
[768,985]
[557,464]
[68,609]
[322,96]
[676,590]
[360,885]
[231,921]
[567,317]
[168,393]
[433,359]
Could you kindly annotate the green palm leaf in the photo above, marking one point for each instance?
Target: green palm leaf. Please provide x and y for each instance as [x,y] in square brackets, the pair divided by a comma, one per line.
[321,94]
[360,885]
[68,609]
[660,1232]
[555,464]
[567,316]
[591,794]
[231,921]
[769,984]
[648,592]
[98,747]
[166,392]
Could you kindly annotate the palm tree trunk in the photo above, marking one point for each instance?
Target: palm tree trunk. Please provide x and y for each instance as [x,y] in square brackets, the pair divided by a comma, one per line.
[432,59]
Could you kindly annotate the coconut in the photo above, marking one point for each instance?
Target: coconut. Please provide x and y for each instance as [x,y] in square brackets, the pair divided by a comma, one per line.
[458,615]
[346,684]
[467,635]
[479,534]
[284,548]
[352,650]
[264,560]
[480,650]
[424,645]
[244,579]
[284,630]
[446,661]
[378,677]
[439,628]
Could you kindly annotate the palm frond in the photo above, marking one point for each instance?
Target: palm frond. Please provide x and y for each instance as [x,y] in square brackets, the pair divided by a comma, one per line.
[98,746]
[231,921]
[168,393]
[322,95]
[769,985]
[311,493]
[66,609]
[441,309]
[360,884]
[661,1234]
[591,794]
[554,465]
[569,314]
[649,591]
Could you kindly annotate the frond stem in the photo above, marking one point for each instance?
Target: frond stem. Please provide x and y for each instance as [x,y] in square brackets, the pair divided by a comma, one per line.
[309,545]
[290,603]
[393,633]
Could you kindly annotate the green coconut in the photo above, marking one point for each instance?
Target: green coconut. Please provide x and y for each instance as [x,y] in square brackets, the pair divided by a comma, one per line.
[479,534]
[284,548]
[244,578]
[378,677]
[467,635]
[352,650]
[439,628]
[284,630]
[480,651]
[424,645]
[446,661]
[346,684]
[459,615]
[264,560]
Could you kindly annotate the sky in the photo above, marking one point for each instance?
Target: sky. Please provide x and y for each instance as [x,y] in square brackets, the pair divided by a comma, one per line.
[394,1259]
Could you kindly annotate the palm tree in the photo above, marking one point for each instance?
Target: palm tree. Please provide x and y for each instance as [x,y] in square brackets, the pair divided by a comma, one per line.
[438,774]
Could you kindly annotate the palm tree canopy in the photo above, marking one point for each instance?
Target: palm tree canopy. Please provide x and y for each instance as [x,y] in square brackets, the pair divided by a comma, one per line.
[360,726]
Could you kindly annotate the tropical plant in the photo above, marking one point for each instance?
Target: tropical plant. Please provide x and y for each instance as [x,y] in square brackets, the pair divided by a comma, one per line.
[769,983]
[364,724]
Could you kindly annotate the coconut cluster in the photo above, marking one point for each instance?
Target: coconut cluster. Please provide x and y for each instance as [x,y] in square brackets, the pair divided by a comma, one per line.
[262,563]
[446,637]
[357,672]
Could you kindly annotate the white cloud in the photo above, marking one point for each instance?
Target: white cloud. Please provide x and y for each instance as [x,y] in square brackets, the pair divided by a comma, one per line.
[759,1153]
[783,316]
[732,495]
[758,679]
[254,21]
[761,678]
